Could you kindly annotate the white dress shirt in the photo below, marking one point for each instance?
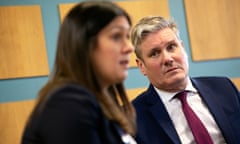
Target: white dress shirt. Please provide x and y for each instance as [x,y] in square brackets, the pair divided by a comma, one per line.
[174,108]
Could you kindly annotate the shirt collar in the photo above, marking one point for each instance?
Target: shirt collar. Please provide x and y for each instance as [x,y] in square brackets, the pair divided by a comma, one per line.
[168,96]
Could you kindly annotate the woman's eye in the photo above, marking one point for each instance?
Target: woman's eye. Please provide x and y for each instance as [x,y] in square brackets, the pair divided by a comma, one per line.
[117,37]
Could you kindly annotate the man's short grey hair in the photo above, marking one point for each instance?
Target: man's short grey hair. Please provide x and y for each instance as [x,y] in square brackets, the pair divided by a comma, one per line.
[148,25]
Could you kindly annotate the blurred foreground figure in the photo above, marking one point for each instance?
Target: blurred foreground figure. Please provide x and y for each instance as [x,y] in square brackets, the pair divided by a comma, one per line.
[84,101]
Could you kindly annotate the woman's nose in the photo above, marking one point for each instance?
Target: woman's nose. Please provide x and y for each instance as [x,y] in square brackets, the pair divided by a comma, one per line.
[128,46]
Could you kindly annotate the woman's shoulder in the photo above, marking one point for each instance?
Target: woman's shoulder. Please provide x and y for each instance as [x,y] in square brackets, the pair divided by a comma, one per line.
[72,100]
[68,109]
[71,91]
[73,95]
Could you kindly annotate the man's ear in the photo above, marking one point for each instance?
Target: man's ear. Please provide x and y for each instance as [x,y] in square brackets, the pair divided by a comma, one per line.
[141,66]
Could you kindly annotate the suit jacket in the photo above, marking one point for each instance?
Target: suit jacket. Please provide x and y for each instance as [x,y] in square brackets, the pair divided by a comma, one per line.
[71,115]
[220,96]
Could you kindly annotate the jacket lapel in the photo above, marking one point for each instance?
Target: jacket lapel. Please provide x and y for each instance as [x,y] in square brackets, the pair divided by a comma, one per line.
[159,112]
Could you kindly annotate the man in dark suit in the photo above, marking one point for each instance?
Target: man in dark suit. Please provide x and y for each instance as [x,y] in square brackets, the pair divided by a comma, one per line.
[160,113]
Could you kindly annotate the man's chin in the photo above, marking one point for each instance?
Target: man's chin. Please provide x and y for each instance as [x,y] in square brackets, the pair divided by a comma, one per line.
[176,80]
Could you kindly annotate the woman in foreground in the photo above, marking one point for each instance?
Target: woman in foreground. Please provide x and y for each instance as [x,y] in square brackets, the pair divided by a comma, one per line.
[84,100]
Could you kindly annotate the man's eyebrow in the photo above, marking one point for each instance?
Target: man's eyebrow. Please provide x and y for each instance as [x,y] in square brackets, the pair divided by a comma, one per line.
[170,42]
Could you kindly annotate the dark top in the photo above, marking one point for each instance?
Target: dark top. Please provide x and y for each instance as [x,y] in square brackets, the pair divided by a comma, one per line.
[71,115]
[218,93]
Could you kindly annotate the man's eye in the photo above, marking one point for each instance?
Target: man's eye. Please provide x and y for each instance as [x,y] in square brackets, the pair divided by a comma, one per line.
[171,47]
[155,54]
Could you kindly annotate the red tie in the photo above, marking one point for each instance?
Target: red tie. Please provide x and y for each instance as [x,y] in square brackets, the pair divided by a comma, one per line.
[199,132]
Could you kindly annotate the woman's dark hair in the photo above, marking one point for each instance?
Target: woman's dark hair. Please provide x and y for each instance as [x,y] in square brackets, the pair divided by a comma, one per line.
[77,39]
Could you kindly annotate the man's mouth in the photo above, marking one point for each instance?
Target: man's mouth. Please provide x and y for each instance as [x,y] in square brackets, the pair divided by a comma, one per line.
[172,69]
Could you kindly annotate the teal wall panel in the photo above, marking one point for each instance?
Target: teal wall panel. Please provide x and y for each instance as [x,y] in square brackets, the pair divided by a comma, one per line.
[27,88]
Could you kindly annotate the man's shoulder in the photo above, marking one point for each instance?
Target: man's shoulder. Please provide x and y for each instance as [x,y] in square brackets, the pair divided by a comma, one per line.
[211,79]
[146,98]
[140,97]
[219,83]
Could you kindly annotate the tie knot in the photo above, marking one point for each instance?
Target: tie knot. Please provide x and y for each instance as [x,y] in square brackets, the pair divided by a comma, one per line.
[182,95]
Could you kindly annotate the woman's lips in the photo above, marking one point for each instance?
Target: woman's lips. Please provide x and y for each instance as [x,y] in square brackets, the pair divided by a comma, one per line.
[124,63]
